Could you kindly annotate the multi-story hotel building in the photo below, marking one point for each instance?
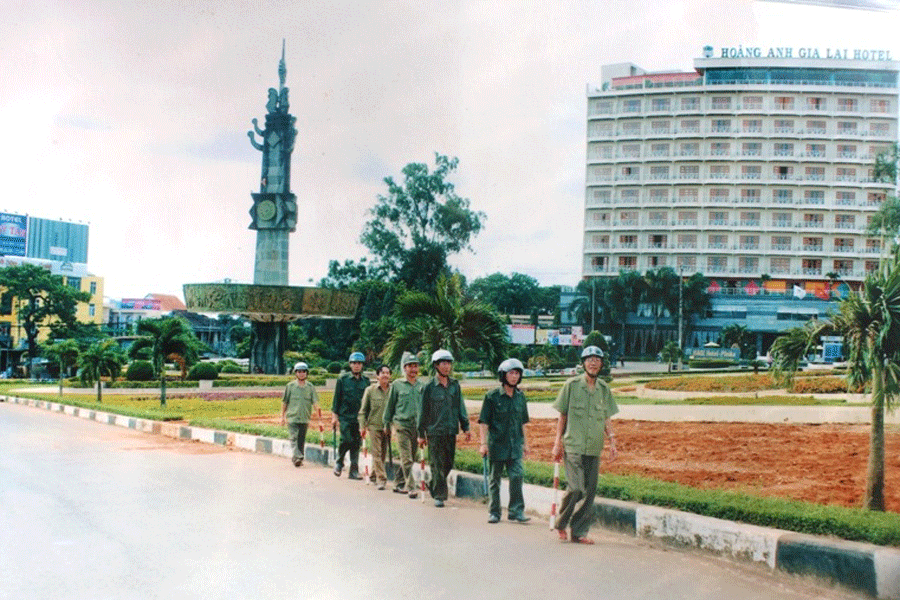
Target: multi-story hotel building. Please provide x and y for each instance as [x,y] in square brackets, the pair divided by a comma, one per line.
[755,169]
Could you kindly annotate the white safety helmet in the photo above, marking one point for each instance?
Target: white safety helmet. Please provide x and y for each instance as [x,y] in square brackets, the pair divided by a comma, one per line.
[301,366]
[440,355]
[591,351]
[510,364]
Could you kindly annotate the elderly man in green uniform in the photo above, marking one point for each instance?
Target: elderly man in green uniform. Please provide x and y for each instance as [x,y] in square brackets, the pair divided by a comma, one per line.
[371,419]
[402,411]
[503,413]
[296,407]
[348,393]
[441,416]
[585,406]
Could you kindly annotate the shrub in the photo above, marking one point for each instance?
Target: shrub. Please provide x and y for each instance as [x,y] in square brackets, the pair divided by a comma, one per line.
[334,367]
[711,363]
[203,370]
[229,366]
[820,385]
[139,370]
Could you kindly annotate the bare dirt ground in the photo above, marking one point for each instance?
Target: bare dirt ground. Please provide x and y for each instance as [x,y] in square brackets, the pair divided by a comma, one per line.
[825,464]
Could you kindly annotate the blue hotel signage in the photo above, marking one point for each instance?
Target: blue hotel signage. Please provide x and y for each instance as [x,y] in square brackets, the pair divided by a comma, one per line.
[806,53]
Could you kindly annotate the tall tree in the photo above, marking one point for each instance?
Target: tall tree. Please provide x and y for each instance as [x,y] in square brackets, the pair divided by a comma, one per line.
[446,319]
[419,223]
[517,294]
[102,358]
[39,297]
[696,302]
[168,338]
[661,293]
[65,354]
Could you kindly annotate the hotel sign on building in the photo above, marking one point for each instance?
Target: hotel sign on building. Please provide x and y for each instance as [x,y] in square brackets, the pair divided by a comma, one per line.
[802,53]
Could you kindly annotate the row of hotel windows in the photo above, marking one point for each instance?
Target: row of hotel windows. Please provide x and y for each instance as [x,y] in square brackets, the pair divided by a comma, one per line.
[748,218]
[723,171]
[779,149]
[687,195]
[743,126]
[755,102]
[691,241]
[742,264]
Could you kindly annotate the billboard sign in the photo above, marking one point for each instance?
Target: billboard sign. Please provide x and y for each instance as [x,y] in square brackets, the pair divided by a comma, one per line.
[13,234]
[521,334]
[140,304]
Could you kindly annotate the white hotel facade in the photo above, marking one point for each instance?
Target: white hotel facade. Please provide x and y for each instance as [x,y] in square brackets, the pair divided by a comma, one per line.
[743,168]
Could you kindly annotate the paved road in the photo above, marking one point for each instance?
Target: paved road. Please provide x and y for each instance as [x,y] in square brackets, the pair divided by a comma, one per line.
[92,511]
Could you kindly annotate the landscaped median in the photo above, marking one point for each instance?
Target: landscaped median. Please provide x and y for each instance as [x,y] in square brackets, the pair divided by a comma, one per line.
[626,505]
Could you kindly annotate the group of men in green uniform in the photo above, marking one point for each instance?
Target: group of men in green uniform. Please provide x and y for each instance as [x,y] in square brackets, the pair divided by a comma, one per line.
[432,413]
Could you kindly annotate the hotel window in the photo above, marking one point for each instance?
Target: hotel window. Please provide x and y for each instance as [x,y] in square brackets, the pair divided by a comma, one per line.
[875,198]
[631,150]
[660,104]
[658,241]
[627,262]
[721,103]
[846,127]
[690,103]
[603,107]
[781,219]
[815,103]
[601,196]
[628,241]
[687,262]
[656,261]
[720,148]
[717,264]
[815,127]
[597,129]
[689,126]
[781,242]
[752,125]
[813,220]
[784,103]
[815,173]
[845,221]
[751,172]
[659,150]
[687,217]
[750,196]
[783,196]
[718,217]
[659,126]
[812,266]
[628,217]
[599,173]
[659,196]
[631,128]
[92,310]
[749,242]
[784,149]
[783,172]
[600,241]
[600,151]
[846,174]
[93,288]
[600,218]
[848,104]
[718,195]
[719,171]
[845,198]
[751,149]
[689,171]
[815,150]
[751,102]
[873,246]
[631,172]
[784,126]
[687,240]
[750,218]
[871,266]
[843,244]
[721,125]
[846,151]
[687,195]
[879,106]
[814,197]
[631,106]
[659,172]
[748,264]
[717,242]
[689,149]
[658,218]
[630,195]
[74,282]
[878,129]
[812,244]
[843,267]
[780,265]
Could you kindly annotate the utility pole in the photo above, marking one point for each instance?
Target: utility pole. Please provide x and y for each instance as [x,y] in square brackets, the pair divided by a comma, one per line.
[593,305]
[680,317]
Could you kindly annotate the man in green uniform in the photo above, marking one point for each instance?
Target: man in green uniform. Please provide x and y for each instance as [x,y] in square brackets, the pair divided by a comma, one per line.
[503,413]
[402,411]
[441,416]
[348,392]
[371,418]
[296,407]
[585,406]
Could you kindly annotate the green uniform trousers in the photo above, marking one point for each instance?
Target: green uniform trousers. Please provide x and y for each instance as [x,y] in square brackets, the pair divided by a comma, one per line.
[378,442]
[441,452]
[516,473]
[406,444]
[297,435]
[577,506]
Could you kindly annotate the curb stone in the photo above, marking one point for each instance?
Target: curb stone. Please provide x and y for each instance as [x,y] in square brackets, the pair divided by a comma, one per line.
[868,568]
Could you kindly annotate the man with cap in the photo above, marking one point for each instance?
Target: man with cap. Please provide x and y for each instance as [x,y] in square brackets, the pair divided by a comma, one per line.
[296,407]
[371,416]
[402,411]
[441,416]
[348,393]
[585,406]
[503,413]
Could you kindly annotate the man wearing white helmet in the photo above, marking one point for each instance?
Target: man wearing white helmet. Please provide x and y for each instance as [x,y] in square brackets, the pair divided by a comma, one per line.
[348,393]
[296,407]
[585,406]
[402,412]
[441,416]
[503,413]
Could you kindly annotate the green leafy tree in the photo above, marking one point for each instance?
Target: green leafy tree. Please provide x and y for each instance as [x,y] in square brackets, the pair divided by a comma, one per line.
[168,338]
[342,276]
[661,293]
[64,353]
[696,302]
[737,335]
[517,294]
[671,353]
[446,319]
[419,223]
[101,358]
[39,297]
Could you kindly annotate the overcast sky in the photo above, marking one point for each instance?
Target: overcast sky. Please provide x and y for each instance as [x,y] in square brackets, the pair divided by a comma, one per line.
[133,117]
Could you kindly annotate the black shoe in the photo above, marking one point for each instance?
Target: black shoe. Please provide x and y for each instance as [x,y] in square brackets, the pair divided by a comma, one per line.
[519,518]
[439,503]
[353,475]
[399,490]
[414,494]
[494,519]
[337,470]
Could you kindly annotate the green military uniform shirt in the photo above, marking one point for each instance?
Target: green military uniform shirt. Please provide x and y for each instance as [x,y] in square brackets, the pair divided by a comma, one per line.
[348,393]
[300,400]
[371,414]
[403,403]
[443,411]
[504,415]
[587,413]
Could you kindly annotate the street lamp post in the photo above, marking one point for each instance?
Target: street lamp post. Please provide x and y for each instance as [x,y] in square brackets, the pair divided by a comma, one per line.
[680,317]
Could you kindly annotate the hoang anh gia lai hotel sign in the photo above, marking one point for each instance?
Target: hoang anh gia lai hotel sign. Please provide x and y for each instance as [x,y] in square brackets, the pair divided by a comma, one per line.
[806,53]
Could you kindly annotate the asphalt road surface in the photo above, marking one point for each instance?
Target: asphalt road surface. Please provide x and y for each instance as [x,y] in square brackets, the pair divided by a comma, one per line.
[91,511]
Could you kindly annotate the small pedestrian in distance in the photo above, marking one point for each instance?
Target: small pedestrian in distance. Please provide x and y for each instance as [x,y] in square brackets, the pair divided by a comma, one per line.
[296,408]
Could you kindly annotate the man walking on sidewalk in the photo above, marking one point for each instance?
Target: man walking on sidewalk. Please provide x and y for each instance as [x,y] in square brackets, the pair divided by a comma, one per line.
[402,411]
[296,408]
[371,417]
[348,392]
[585,406]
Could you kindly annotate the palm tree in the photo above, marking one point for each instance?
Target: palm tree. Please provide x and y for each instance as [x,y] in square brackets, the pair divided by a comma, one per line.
[735,335]
[671,353]
[169,338]
[622,297]
[661,292]
[446,319]
[101,358]
[65,354]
